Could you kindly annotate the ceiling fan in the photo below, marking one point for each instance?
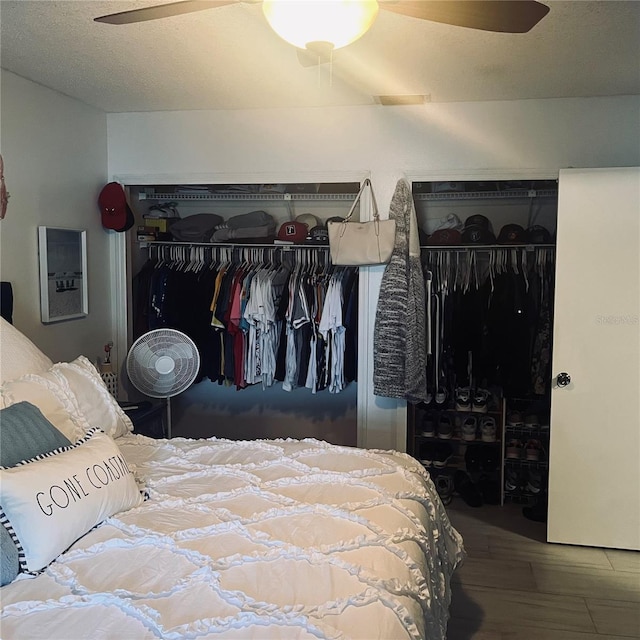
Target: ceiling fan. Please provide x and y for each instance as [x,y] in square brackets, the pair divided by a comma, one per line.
[506,16]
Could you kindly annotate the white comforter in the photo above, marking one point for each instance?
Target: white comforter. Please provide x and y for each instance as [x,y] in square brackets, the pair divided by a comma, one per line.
[263,539]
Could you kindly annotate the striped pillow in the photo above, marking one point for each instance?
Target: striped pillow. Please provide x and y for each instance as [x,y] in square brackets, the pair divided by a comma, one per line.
[50,501]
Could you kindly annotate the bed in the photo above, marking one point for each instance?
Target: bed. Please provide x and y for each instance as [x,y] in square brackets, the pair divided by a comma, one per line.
[132,538]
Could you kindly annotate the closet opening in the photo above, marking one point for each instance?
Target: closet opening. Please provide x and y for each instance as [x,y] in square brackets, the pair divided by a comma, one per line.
[488,256]
[275,323]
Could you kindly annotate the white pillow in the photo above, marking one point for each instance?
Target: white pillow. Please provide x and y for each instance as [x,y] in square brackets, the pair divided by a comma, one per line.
[56,402]
[52,500]
[18,355]
[96,404]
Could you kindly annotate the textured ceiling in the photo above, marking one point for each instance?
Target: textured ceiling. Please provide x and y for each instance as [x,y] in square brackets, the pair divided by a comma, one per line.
[228,58]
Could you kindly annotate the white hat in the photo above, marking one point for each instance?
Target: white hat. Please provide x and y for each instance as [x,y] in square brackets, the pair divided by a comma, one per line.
[309,219]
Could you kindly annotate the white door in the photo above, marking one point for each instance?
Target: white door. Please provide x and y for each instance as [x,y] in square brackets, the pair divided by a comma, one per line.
[594,474]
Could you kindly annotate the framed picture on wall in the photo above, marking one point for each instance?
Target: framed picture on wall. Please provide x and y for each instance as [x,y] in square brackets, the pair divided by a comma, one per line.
[63,273]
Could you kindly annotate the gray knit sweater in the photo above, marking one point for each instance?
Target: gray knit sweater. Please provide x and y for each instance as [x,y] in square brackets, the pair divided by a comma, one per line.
[399,340]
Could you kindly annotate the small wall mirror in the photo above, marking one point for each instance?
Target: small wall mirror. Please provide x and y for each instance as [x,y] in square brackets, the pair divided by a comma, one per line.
[63,273]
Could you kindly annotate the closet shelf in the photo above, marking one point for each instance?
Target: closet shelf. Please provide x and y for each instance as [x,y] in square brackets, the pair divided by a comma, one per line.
[484,247]
[488,195]
[232,245]
[281,197]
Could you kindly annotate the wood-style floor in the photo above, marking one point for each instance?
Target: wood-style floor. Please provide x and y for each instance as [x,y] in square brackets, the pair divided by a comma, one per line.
[516,586]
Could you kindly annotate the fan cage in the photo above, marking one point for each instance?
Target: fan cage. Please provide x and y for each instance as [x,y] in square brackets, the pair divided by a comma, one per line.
[163,363]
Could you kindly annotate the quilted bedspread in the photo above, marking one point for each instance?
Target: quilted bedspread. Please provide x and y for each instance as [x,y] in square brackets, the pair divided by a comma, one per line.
[259,539]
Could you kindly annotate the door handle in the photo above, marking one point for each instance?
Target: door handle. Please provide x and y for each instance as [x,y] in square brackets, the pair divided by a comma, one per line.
[563,379]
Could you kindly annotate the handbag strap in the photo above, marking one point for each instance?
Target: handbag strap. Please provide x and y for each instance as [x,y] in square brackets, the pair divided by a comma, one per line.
[365,184]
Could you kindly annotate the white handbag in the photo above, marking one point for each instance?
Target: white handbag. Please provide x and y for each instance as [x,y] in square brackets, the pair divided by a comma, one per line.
[362,243]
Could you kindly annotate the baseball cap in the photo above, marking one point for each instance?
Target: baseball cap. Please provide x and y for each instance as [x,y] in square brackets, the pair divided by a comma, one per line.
[309,219]
[318,235]
[445,236]
[114,209]
[537,234]
[511,234]
[475,234]
[293,231]
[477,220]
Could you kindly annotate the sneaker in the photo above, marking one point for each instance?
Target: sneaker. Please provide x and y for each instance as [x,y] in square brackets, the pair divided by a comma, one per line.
[441,395]
[488,429]
[514,449]
[428,427]
[463,399]
[445,428]
[532,450]
[465,487]
[514,419]
[442,453]
[534,481]
[444,486]
[426,454]
[469,428]
[531,421]
[489,457]
[480,401]
[511,480]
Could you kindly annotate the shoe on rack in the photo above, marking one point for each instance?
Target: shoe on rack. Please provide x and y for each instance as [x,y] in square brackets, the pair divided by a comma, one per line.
[444,486]
[467,489]
[488,429]
[511,480]
[463,399]
[514,419]
[428,429]
[445,428]
[441,395]
[531,421]
[442,453]
[532,450]
[514,449]
[469,428]
[480,401]
[489,457]
[534,481]
[426,454]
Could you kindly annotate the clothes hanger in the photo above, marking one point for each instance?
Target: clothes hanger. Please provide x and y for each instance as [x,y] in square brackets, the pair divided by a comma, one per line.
[525,268]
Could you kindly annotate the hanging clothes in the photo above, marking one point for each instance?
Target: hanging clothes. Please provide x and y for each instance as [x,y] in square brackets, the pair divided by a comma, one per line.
[491,315]
[399,341]
[256,320]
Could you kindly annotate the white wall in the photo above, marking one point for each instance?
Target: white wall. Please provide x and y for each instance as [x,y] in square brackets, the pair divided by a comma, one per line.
[55,157]
[440,141]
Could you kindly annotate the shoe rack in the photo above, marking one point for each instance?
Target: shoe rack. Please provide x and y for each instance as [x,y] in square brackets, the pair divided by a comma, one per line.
[439,437]
[526,452]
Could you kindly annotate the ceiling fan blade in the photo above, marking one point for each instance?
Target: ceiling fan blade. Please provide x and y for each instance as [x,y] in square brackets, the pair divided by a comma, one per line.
[162,11]
[507,16]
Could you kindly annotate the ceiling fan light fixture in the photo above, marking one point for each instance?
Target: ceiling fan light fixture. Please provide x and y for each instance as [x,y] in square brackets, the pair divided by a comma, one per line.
[308,22]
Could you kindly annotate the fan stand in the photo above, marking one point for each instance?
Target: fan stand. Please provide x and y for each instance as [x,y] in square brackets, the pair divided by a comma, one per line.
[167,402]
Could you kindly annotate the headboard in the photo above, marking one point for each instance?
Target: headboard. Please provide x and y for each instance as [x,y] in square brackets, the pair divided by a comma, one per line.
[6,301]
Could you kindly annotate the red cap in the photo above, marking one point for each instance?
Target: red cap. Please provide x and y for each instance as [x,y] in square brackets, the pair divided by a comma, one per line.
[114,209]
[293,231]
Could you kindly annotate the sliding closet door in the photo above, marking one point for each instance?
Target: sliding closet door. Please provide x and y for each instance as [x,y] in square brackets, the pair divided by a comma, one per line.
[594,483]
